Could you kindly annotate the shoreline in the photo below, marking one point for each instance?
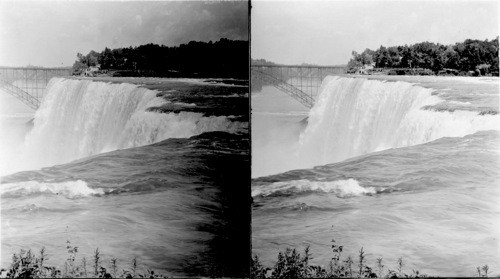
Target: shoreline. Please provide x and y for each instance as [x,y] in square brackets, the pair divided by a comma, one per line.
[417,72]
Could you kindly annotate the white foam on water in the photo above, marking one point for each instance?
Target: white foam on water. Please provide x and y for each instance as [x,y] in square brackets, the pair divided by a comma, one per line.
[68,189]
[149,127]
[341,188]
[459,103]
[185,104]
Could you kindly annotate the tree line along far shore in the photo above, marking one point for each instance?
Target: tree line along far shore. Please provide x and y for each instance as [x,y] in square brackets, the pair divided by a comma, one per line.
[228,58]
[223,58]
[470,57]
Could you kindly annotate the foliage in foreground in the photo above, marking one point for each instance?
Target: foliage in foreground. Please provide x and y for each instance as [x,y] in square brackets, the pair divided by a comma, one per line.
[27,264]
[291,264]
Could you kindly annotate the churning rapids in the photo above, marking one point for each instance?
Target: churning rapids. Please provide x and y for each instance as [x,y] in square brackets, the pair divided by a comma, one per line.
[401,166]
[143,167]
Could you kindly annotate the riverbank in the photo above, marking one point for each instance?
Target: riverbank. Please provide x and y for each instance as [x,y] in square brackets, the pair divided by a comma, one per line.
[420,72]
[291,264]
[31,264]
[164,74]
[217,81]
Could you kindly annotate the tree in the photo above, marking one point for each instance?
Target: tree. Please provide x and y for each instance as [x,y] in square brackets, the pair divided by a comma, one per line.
[216,59]
[92,58]
[355,62]
[470,55]
[382,57]
[106,59]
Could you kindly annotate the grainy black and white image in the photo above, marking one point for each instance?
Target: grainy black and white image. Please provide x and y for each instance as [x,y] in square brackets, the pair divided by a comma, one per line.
[375,139]
[124,147]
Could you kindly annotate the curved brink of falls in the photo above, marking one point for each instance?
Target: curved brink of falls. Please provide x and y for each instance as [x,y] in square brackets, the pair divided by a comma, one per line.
[355,116]
[80,118]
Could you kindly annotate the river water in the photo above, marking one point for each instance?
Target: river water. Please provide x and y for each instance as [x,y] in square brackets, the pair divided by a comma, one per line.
[141,167]
[401,166]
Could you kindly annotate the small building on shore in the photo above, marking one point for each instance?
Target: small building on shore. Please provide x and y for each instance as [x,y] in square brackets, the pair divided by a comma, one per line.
[92,70]
[365,69]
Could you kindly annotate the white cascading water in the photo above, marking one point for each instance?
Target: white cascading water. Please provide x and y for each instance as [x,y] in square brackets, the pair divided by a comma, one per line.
[341,188]
[355,116]
[80,118]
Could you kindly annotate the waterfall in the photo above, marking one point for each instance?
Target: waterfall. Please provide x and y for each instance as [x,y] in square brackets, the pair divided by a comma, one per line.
[355,116]
[81,118]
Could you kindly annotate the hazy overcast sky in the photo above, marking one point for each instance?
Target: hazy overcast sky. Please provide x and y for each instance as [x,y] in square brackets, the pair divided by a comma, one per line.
[46,33]
[326,33]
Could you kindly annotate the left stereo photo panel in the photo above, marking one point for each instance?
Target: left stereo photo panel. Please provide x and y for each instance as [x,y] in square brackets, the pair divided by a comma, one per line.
[125,147]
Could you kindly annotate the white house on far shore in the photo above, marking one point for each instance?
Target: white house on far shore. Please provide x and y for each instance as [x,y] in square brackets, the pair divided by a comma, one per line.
[90,71]
[363,70]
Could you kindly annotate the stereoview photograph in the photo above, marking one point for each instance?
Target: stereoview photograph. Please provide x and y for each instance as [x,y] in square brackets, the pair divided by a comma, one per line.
[125,148]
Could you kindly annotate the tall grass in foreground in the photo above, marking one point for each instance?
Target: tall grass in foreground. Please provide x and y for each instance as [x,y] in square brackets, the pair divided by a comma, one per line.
[27,264]
[291,264]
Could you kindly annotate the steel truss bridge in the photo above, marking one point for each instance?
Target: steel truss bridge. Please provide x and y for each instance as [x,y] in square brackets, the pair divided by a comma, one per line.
[300,82]
[28,84]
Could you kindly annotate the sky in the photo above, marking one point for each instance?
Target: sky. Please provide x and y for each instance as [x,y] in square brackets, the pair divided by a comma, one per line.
[51,33]
[326,32]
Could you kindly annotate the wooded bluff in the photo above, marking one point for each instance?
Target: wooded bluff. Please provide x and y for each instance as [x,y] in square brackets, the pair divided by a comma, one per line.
[479,57]
[224,58]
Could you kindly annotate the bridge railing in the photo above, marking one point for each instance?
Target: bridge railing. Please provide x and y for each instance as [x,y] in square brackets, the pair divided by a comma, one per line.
[28,84]
[299,81]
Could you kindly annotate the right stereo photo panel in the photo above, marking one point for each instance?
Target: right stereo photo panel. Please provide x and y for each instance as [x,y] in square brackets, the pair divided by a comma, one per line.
[375,139]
